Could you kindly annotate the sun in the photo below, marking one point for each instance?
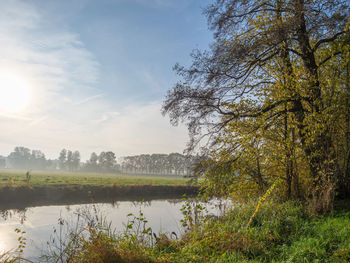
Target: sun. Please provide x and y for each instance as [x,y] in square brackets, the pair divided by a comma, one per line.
[14,93]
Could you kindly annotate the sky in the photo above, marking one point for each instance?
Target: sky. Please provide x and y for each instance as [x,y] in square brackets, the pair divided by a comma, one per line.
[91,75]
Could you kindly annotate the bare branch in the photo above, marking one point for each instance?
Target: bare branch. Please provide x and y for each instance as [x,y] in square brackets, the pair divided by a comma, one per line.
[326,40]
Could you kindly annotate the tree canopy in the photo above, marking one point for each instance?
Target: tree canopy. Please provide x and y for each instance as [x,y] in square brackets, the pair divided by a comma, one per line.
[271,98]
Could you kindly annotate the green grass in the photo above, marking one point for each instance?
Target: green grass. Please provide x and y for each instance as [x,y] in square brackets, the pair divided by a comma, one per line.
[279,233]
[18,178]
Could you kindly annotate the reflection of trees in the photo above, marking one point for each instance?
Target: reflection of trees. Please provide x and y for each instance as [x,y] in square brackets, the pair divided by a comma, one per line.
[11,213]
[141,203]
[174,201]
[218,205]
[115,204]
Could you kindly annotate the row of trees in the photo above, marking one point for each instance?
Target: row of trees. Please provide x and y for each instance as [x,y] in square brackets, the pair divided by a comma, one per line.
[272,96]
[172,164]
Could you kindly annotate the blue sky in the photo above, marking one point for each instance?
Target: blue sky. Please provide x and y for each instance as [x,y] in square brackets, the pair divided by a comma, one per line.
[97,72]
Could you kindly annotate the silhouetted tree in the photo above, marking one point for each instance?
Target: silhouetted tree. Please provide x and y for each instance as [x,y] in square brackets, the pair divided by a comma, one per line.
[107,161]
[92,164]
[62,160]
[37,160]
[76,160]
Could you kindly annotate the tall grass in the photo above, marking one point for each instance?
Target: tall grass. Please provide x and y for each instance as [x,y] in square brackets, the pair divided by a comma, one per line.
[278,233]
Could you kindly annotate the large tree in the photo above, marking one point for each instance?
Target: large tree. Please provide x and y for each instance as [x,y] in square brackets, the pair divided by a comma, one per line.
[92,163]
[269,86]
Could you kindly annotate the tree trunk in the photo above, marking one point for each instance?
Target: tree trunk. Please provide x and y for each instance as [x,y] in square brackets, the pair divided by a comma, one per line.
[319,150]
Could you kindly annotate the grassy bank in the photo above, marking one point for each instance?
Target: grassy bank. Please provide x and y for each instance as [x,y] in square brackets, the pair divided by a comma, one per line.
[18,178]
[58,188]
[278,233]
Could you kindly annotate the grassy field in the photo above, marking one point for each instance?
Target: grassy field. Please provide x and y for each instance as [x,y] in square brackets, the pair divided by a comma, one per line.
[18,178]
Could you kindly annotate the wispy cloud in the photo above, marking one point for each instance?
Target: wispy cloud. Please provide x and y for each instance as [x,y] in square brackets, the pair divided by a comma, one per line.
[14,116]
[108,116]
[54,62]
[37,121]
[64,74]
[51,59]
[88,99]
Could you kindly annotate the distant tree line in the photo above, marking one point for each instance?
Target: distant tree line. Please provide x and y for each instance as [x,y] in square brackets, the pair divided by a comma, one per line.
[105,162]
[169,164]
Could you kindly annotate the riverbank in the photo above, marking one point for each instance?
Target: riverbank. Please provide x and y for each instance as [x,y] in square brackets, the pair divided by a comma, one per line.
[280,232]
[18,191]
[20,197]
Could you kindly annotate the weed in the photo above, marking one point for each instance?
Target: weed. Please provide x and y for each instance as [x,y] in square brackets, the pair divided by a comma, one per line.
[194,213]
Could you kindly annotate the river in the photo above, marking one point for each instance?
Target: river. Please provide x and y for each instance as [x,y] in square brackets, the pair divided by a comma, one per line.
[43,224]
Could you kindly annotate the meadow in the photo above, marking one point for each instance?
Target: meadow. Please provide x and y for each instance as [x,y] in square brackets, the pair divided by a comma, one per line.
[50,178]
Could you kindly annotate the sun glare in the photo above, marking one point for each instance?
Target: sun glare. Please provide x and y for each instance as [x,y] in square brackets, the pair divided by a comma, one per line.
[14,93]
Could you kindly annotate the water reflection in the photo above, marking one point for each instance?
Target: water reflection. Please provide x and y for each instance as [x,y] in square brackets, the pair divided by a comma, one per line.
[8,214]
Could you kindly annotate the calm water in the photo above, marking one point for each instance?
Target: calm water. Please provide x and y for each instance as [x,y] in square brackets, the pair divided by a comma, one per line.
[40,222]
